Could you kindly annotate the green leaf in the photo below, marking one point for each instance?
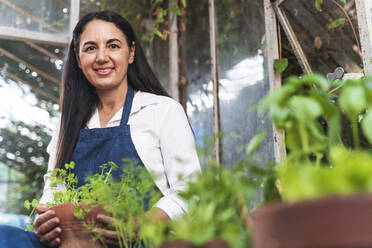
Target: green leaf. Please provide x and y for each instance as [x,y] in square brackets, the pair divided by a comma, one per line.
[27,204]
[175,9]
[367,124]
[336,23]
[255,142]
[280,64]
[305,108]
[318,4]
[184,3]
[343,1]
[317,80]
[34,203]
[352,100]
[158,33]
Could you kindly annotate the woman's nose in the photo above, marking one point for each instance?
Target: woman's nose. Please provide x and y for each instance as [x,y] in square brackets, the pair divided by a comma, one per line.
[102,56]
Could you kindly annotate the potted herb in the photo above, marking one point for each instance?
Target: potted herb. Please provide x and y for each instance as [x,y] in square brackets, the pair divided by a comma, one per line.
[125,201]
[326,180]
[218,203]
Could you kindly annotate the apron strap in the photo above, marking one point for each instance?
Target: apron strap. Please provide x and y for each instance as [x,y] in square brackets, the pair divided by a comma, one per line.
[127,106]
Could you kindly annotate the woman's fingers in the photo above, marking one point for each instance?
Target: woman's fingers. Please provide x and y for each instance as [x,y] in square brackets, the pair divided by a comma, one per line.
[41,208]
[107,236]
[45,217]
[51,238]
[105,219]
[46,228]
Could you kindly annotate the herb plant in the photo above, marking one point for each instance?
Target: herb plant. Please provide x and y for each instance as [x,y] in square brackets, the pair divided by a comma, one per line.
[311,111]
[126,200]
[218,205]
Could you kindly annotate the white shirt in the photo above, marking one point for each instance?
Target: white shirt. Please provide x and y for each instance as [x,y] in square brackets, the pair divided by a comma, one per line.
[164,141]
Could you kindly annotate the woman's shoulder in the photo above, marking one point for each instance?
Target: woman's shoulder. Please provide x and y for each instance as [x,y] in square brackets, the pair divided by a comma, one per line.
[157,101]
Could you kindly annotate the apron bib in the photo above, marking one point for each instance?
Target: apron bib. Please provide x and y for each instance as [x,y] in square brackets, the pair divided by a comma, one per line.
[98,146]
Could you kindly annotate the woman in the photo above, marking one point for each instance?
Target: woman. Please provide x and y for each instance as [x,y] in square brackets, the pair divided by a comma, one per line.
[113,107]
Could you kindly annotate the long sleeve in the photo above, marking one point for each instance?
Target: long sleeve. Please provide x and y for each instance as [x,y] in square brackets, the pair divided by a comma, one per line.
[52,151]
[180,160]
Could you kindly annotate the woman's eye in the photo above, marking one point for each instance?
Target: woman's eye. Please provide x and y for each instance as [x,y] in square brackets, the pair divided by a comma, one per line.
[90,48]
[113,46]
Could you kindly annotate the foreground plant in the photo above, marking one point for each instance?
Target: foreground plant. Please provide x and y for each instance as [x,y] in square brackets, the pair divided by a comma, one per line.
[218,203]
[316,116]
[126,201]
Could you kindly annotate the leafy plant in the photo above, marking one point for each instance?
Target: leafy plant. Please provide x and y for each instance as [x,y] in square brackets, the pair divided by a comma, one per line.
[126,200]
[218,203]
[348,172]
[310,112]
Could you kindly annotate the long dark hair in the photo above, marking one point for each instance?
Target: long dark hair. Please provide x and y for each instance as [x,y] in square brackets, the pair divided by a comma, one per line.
[78,98]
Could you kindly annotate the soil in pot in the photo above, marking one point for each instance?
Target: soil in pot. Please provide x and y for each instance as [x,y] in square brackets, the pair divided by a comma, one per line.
[74,233]
[332,222]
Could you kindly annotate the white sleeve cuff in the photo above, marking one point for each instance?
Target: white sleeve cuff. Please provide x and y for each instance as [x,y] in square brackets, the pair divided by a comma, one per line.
[49,191]
[172,205]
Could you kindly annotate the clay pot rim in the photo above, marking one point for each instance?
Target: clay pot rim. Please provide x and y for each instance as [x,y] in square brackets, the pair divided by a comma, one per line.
[287,206]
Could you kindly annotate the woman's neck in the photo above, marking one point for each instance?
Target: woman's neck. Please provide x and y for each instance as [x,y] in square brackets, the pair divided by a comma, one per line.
[110,102]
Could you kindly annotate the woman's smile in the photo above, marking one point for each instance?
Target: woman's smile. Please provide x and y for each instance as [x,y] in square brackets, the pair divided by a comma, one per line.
[104,71]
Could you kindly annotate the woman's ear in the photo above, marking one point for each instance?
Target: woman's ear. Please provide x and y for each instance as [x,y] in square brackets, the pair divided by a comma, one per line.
[77,58]
[132,53]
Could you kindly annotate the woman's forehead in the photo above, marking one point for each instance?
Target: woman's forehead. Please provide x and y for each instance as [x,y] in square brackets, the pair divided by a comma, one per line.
[99,30]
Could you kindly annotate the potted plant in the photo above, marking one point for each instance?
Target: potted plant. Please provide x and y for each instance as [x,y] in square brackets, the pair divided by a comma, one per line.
[326,180]
[218,203]
[124,201]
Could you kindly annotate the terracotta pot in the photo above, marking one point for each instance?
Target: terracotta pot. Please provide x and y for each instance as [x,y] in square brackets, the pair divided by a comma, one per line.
[177,244]
[337,222]
[217,243]
[74,234]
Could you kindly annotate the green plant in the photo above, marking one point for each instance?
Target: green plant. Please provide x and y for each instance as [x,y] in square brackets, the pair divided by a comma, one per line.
[218,203]
[310,110]
[125,200]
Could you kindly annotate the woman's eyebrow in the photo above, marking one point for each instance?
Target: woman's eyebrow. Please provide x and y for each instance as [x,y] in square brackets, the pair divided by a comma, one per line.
[94,43]
[112,40]
[89,43]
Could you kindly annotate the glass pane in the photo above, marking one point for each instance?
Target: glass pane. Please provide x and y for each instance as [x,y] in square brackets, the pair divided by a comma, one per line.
[242,77]
[329,37]
[195,72]
[45,16]
[30,75]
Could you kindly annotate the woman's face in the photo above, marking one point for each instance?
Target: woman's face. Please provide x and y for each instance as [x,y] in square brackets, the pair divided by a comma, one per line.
[104,55]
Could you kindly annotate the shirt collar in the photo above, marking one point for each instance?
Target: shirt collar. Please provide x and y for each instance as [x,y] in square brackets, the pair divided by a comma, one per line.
[141,99]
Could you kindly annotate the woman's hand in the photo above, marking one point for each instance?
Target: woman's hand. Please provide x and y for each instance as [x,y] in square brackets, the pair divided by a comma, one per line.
[109,237]
[46,226]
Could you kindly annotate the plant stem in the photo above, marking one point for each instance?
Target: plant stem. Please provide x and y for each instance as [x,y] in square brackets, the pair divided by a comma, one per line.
[304,137]
[319,157]
[354,128]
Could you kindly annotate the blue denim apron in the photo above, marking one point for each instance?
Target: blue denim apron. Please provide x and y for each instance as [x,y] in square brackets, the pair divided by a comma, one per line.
[98,146]
[94,147]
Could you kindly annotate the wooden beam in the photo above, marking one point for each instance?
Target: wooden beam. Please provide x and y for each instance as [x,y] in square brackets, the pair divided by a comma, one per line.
[365,27]
[18,34]
[27,14]
[173,54]
[15,58]
[42,50]
[275,80]
[214,78]
[74,15]
[36,89]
